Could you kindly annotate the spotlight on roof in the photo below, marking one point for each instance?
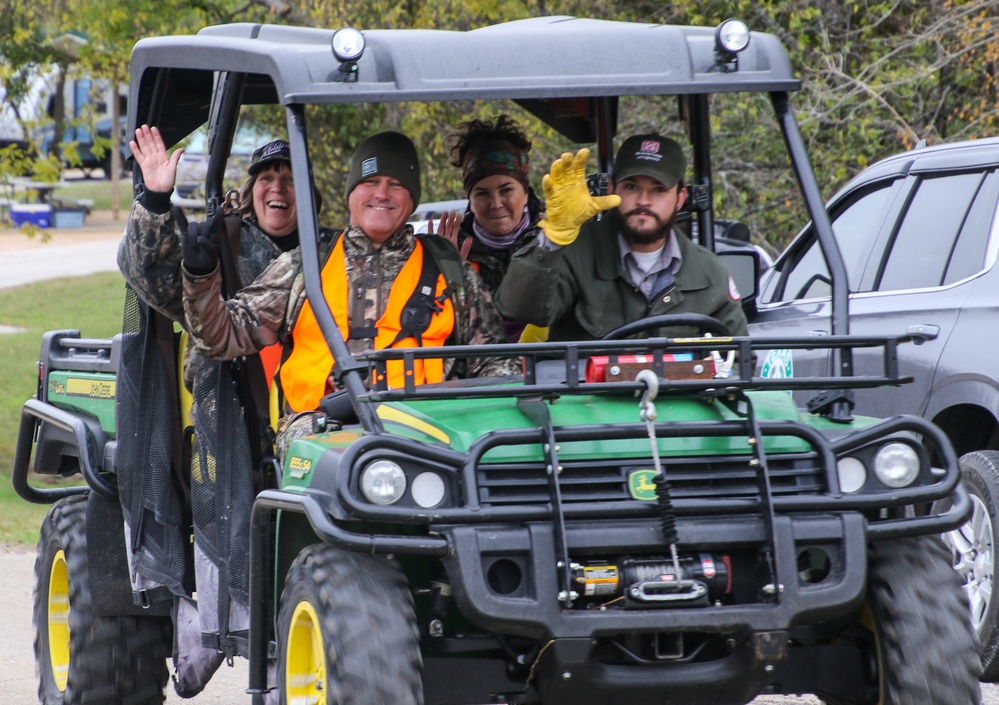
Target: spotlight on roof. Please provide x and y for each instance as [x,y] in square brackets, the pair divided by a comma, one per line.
[731,37]
[347,45]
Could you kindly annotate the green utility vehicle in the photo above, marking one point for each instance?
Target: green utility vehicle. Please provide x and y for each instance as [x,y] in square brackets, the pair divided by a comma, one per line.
[626,520]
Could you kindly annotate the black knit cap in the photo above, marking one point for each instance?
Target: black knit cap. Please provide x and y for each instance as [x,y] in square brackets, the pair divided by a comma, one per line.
[386,154]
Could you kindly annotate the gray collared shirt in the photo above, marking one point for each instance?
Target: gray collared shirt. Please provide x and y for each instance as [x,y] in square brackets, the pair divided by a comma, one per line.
[660,276]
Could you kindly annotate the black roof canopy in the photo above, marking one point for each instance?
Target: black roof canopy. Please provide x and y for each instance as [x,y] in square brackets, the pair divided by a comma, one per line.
[534,62]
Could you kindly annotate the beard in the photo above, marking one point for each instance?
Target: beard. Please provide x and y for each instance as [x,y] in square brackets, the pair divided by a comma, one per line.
[658,233]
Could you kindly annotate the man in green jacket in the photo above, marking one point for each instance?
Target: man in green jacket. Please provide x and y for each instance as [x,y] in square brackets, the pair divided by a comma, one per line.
[585,276]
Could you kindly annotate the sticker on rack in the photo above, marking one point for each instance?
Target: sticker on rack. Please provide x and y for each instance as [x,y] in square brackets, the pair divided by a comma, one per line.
[778,364]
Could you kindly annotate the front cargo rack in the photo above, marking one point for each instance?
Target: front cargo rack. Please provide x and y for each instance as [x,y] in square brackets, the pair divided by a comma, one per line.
[553,369]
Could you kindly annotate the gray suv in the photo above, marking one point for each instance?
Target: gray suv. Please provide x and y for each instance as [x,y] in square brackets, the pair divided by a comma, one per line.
[919,240]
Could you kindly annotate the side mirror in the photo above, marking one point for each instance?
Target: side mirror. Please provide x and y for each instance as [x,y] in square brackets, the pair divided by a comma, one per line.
[745,267]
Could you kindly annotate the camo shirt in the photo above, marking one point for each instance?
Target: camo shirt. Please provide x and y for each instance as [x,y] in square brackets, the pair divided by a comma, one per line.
[149,257]
[264,312]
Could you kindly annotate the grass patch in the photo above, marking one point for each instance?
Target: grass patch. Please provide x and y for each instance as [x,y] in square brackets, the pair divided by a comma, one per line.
[97,190]
[92,305]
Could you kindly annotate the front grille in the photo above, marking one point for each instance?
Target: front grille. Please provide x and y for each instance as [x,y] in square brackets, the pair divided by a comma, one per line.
[727,477]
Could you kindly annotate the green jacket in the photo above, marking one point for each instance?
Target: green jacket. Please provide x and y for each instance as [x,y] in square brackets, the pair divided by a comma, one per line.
[582,292]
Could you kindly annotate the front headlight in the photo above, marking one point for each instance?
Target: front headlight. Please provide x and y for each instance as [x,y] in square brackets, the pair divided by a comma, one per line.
[852,474]
[383,482]
[896,465]
[428,489]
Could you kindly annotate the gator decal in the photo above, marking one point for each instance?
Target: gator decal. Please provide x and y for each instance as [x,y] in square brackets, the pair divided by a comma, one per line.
[93,388]
[77,387]
[299,467]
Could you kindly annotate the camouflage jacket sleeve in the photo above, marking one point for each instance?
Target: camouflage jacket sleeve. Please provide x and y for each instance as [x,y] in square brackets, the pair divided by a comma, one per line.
[149,258]
[480,324]
[255,318]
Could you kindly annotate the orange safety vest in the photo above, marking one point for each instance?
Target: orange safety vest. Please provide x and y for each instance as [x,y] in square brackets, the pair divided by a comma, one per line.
[304,373]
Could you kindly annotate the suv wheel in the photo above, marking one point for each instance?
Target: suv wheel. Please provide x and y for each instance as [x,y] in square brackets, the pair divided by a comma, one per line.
[973,550]
[344,617]
[81,657]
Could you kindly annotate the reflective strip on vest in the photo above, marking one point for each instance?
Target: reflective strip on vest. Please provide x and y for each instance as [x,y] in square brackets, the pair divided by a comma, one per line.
[305,373]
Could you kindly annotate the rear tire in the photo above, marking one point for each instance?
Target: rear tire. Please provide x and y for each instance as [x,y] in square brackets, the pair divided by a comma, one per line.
[81,657]
[973,547]
[925,650]
[347,634]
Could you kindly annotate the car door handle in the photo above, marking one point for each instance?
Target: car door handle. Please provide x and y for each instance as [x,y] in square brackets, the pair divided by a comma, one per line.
[922,332]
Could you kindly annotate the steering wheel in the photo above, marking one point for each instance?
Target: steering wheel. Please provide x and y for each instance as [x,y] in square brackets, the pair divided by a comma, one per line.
[706,324]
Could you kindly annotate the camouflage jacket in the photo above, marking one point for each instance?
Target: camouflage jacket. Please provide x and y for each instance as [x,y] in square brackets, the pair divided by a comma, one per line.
[264,312]
[149,257]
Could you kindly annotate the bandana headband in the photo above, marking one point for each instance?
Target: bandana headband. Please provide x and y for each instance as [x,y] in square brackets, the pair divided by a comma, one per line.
[491,158]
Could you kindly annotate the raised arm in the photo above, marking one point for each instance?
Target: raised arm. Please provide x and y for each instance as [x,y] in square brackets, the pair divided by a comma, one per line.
[149,254]
[255,318]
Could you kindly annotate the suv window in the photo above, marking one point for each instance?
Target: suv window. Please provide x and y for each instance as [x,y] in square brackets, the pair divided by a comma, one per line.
[969,254]
[926,241]
[854,223]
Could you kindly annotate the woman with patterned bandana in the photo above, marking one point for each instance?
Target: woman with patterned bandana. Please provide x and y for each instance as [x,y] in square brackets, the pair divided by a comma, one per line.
[503,210]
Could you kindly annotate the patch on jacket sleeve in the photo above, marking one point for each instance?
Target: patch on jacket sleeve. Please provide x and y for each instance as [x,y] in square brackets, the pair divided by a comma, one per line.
[733,290]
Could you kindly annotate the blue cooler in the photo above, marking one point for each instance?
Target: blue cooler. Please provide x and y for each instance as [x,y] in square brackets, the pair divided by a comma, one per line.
[39,214]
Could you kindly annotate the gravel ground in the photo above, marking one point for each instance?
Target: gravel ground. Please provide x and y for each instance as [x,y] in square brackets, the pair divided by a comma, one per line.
[63,252]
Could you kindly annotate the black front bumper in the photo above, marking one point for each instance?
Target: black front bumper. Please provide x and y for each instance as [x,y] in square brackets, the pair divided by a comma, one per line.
[535,610]
[569,668]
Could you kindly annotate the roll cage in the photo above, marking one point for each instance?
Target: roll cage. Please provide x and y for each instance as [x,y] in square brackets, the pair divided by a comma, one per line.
[550,66]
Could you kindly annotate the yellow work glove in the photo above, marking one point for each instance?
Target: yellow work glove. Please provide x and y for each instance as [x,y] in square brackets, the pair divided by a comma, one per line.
[534,334]
[568,202]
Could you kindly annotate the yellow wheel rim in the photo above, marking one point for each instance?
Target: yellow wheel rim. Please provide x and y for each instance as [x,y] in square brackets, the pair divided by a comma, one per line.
[305,658]
[58,620]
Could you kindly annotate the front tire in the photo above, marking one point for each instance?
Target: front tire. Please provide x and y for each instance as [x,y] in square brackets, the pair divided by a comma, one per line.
[973,547]
[923,646]
[347,632]
[82,657]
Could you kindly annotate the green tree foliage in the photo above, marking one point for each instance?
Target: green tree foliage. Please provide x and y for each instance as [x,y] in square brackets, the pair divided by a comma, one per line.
[878,76]
[969,82]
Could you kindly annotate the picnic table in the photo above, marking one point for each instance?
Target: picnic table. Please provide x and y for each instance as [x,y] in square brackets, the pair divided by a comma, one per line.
[43,189]
[43,209]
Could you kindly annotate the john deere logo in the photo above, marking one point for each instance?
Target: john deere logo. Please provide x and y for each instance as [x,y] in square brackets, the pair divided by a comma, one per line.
[641,486]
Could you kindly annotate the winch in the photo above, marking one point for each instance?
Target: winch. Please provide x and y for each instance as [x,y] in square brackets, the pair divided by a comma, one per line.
[648,582]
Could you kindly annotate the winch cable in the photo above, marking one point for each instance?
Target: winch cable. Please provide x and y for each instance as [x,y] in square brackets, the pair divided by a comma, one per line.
[664,505]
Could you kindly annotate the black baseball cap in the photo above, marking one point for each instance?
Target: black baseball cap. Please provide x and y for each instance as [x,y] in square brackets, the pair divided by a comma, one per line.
[276,151]
[652,155]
